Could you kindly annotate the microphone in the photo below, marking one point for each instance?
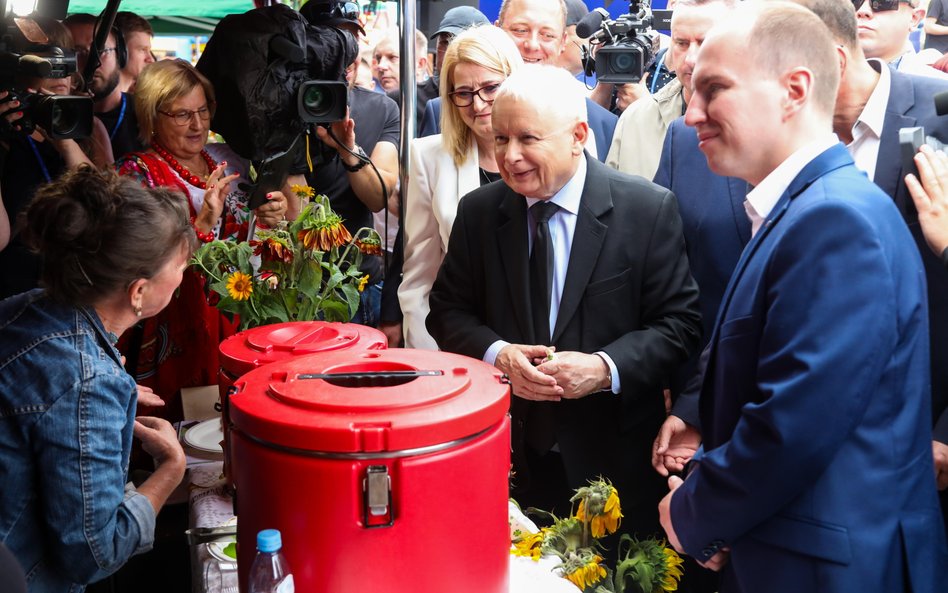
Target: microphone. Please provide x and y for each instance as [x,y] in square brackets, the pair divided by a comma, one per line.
[941,103]
[590,23]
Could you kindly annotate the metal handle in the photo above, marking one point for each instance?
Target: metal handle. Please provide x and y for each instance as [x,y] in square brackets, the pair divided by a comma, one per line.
[377,497]
[371,378]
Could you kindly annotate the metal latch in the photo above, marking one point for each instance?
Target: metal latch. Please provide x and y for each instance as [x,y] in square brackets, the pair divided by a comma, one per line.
[377,498]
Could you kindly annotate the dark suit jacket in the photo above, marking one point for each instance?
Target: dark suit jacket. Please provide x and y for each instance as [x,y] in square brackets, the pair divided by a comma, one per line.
[911,104]
[601,121]
[816,467]
[628,292]
[715,226]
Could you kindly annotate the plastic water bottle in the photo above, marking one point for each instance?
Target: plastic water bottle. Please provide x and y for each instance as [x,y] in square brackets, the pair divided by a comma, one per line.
[269,572]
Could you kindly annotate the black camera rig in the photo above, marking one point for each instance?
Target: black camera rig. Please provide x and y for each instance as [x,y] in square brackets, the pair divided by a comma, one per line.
[626,46]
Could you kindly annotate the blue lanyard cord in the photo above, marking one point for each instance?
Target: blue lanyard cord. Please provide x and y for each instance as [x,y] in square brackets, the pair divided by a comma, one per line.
[121,116]
[658,72]
[39,159]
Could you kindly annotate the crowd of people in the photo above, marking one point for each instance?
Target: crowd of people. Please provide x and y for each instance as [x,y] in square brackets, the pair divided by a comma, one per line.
[720,287]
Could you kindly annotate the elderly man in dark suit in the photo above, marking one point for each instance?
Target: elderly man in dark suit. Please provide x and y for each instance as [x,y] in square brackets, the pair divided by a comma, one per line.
[567,254]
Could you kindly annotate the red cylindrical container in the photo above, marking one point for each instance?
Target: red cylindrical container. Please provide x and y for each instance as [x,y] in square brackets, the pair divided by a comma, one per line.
[384,471]
[258,346]
[255,347]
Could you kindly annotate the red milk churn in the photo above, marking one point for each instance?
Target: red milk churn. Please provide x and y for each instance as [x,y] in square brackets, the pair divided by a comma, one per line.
[258,346]
[384,471]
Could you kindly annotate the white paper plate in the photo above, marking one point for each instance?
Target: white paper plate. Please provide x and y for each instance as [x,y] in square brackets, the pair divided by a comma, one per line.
[206,436]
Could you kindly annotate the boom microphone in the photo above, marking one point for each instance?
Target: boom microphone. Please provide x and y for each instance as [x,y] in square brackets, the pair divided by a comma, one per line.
[941,102]
[590,23]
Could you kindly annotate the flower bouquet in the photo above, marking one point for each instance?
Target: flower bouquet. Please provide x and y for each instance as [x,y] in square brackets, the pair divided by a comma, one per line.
[645,566]
[298,271]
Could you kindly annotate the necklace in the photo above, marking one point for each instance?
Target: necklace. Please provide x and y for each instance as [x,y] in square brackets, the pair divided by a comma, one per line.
[181,169]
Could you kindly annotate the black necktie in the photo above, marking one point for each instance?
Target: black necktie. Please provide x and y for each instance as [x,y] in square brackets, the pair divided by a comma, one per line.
[540,427]
[541,271]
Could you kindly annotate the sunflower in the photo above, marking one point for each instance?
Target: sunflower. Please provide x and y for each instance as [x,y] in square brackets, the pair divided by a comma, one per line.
[673,572]
[239,286]
[362,282]
[369,246]
[325,234]
[528,546]
[587,573]
[273,249]
[599,506]
[303,191]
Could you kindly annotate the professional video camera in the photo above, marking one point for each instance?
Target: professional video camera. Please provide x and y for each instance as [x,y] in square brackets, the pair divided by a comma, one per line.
[626,45]
[25,55]
[274,74]
[912,139]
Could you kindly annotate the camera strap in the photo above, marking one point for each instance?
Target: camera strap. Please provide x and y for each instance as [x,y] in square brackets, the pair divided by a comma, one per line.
[39,159]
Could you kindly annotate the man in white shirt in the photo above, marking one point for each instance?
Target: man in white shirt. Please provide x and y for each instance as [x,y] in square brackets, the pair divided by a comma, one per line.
[884,27]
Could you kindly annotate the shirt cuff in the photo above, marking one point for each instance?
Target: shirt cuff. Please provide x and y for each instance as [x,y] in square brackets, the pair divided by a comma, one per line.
[613,371]
[491,355]
[139,507]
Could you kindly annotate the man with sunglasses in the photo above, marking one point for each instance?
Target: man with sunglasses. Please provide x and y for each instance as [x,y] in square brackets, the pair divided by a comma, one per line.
[884,28]
[113,107]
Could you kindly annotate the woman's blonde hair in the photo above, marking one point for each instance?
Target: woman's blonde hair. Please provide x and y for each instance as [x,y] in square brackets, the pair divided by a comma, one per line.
[160,84]
[486,46]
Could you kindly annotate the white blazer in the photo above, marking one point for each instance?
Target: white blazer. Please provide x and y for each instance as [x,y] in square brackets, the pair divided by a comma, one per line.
[435,186]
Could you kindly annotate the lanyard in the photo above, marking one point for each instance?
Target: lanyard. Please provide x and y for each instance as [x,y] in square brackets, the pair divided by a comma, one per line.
[121,116]
[658,72]
[39,159]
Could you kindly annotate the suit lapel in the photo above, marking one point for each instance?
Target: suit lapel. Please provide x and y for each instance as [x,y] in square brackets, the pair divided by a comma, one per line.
[587,242]
[514,248]
[737,188]
[832,158]
[888,173]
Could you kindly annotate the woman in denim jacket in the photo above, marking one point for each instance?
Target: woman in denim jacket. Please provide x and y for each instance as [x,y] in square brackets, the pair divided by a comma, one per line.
[114,253]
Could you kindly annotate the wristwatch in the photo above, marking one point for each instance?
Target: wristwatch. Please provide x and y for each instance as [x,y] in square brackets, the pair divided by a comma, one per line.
[363,160]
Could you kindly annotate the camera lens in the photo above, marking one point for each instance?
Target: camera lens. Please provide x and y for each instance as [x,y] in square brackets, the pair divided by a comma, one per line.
[622,61]
[317,101]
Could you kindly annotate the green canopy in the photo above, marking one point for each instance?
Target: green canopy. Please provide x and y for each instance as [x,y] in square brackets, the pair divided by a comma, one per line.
[179,8]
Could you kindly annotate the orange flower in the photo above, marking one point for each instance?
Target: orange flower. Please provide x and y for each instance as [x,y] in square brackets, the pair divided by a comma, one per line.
[273,250]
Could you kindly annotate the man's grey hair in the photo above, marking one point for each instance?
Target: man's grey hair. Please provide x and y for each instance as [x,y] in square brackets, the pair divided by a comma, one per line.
[549,89]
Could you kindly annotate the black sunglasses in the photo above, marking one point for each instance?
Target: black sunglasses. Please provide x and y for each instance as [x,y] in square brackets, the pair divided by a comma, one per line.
[880,5]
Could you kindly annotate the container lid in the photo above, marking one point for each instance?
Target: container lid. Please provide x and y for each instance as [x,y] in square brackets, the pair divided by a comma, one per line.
[369,402]
[269,540]
[262,345]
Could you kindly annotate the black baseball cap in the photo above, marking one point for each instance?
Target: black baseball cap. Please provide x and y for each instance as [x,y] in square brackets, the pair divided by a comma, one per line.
[459,18]
[332,12]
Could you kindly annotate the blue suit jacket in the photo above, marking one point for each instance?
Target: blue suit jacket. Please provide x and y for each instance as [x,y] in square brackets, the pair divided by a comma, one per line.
[911,104]
[816,467]
[714,221]
[601,121]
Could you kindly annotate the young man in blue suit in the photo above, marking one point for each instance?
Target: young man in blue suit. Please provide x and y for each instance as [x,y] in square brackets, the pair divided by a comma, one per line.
[873,102]
[815,472]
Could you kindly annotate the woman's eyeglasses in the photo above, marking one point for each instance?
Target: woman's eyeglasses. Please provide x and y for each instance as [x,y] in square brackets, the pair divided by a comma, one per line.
[466,98]
[183,118]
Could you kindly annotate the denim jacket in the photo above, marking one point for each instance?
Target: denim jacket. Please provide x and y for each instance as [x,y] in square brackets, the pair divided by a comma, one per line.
[67,411]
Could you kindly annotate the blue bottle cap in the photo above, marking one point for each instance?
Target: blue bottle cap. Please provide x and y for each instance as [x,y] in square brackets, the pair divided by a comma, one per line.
[269,540]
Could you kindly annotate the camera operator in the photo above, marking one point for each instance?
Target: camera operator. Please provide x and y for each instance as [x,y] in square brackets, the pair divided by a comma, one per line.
[31,159]
[113,107]
[371,129]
